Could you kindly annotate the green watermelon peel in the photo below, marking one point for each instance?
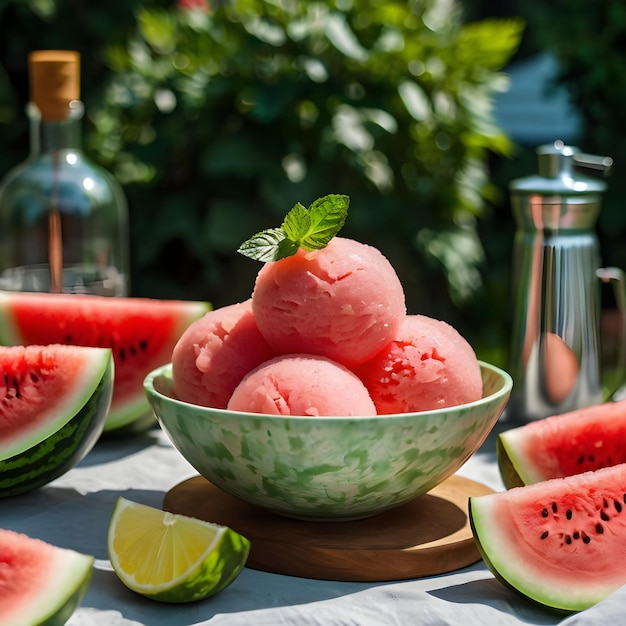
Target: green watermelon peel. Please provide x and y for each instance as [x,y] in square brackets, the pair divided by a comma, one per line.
[40,584]
[560,543]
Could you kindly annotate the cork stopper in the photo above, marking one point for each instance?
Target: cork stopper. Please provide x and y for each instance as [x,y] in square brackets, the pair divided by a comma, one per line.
[54,82]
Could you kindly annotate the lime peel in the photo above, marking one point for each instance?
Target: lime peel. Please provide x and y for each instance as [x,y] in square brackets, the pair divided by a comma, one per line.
[170,557]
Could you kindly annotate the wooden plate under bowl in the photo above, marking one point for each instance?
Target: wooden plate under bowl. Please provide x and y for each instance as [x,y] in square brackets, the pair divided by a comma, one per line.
[427,536]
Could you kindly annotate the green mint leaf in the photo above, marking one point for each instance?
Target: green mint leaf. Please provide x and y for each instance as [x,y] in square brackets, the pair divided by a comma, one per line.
[266,245]
[309,229]
[313,228]
[296,222]
[286,248]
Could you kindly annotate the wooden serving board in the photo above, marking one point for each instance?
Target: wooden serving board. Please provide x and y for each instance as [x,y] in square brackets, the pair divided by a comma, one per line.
[424,537]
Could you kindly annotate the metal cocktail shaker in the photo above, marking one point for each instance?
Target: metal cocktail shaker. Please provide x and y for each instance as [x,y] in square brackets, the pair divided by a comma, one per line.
[555,354]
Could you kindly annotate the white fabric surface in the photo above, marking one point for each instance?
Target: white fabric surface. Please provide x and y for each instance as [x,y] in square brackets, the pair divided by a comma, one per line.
[74,512]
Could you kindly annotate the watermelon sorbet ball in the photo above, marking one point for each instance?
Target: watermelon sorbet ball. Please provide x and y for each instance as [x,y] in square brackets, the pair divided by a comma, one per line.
[344,302]
[215,353]
[428,365]
[302,384]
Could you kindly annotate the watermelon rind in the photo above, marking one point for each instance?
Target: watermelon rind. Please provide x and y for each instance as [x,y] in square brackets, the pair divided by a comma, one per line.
[97,363]
[508,471]
[575,565]
[128,413]
[55,598]
[9,331]
[581,440]
[133,416]
[59,445]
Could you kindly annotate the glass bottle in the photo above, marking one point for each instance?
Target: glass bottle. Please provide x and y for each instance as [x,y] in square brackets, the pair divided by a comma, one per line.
[63,219]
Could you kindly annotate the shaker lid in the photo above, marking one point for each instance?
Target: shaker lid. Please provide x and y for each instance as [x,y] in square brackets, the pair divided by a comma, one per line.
[54,77]
[559,172]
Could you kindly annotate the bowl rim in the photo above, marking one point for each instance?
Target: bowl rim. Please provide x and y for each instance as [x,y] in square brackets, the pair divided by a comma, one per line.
[166,371]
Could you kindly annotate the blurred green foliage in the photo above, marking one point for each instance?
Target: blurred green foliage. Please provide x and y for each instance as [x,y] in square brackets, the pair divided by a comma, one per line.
[218,121]
[588,43]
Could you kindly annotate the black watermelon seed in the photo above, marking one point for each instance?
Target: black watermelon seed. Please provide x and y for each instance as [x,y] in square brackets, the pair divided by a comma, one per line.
[586,538]
[576,535]
[545,513]
[605,503]
[599,528]
[581,460]
[604,517]
[618,506]
[544,534]
[554,507]
[144,345]
[568,539]
[568,514]
[592,458]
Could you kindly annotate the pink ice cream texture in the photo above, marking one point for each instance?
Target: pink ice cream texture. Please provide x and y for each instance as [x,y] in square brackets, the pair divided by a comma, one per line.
[344,302]
[215,353]
[428,365]
[304,385]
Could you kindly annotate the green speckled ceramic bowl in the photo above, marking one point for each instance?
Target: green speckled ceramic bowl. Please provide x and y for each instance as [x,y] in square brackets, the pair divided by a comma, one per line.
[327,468]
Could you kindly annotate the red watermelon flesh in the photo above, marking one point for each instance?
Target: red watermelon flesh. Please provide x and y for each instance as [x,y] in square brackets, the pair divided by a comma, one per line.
[561,542]
[141,332]
[571,443]
[39,581]
[42,388]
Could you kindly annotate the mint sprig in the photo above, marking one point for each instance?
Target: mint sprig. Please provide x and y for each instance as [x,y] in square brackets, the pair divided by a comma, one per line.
[309,229]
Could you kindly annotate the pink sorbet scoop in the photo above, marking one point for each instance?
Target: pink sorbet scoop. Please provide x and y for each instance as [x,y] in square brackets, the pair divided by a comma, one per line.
[302,384]
[215,353]
[344,302]
[428,365]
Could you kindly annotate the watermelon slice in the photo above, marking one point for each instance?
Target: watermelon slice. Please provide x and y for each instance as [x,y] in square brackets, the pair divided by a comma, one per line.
[142,333]
[53,405]
[571,443]
[561,542]
[40,583]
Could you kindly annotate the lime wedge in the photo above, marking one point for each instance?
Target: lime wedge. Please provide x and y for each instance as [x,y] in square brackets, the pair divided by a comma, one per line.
[170,557]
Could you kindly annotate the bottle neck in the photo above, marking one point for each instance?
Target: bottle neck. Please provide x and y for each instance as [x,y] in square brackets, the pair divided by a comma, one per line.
[51,136]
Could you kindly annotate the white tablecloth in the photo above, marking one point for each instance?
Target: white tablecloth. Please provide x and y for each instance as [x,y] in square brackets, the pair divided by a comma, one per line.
[74,512]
